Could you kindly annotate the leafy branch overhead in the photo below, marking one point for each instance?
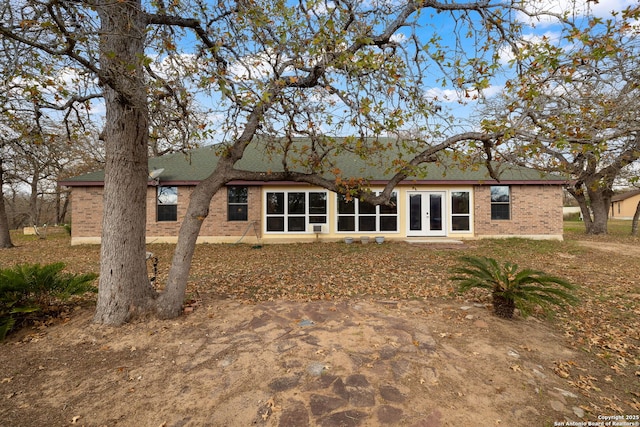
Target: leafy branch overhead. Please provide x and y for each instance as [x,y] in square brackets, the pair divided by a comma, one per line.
[240,73]
[575,111]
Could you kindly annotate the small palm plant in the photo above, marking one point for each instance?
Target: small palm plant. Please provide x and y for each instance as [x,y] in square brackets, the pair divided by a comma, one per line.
[28,288]
[511,288]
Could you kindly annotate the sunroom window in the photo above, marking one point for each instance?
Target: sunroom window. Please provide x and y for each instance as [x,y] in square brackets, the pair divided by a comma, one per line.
[460,211]
[358,216]
[293,211]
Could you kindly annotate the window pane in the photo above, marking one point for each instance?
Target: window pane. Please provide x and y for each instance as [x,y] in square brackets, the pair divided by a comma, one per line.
[460,223]
[346,223]
[237,213]
[390,209]
[167,195]
[296,223]
[460,202]
[500,193]
[388,223]
[366,208]
[415,212]
[296,203]
[344,206]
[319,219]
[367,223]
[275,203]
[435,212]
[500,211]
[167,207]
[318,203]
[275,223]
[237,194]
[167,212]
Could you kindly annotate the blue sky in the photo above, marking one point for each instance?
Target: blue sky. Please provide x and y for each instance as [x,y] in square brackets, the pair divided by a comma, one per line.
[451,100]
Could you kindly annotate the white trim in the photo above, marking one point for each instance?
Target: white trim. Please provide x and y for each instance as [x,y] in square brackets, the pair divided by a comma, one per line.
[444,213]
[450,211]
[285,215]
[377,216]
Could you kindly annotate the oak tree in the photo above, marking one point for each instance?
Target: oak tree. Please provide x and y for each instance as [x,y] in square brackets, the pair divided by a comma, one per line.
[575,110]
[268,68]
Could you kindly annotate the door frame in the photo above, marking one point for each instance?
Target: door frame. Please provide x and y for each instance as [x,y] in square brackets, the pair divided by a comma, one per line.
[425,214]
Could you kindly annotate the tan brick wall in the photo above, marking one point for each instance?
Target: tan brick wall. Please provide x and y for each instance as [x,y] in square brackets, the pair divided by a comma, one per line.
[86,214]
[536,211]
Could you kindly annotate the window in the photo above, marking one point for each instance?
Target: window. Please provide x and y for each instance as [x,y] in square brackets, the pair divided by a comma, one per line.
[167,204]
[237,203]
[500,202]
[460,211]
[291,211]
[357,216]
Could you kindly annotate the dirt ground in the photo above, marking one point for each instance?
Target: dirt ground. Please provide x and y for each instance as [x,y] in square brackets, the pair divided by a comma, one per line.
[350,362]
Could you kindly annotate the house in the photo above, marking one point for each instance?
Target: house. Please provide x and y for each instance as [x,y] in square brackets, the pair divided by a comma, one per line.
[624,205]
[446,203]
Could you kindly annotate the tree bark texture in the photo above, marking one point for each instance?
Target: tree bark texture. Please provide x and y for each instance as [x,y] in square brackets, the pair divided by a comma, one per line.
[595,210]
[169,304]
[600,199]
[5,236]
[124,289]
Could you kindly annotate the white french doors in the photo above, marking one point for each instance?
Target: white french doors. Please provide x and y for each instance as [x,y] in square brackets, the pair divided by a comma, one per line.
[426,213]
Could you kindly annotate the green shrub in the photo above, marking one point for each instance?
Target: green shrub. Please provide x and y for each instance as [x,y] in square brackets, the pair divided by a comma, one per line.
[511,288]
[28,288]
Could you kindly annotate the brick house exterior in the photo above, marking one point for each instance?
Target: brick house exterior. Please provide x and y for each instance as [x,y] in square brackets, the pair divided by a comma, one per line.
[536,213]
[451,204]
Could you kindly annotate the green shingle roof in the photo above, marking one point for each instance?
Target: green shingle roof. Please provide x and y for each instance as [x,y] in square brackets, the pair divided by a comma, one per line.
[197,164]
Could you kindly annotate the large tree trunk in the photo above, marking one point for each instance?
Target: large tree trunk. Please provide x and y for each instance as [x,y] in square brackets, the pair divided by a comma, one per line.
[169,304]
[600,199]
[124,288]
[578,194]
[595,210]
[5,236]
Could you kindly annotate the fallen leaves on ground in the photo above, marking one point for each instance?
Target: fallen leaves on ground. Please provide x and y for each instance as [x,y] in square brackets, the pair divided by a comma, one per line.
[605,324]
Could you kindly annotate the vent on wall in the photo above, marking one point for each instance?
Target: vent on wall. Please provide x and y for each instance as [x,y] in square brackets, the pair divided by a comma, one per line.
[317,229]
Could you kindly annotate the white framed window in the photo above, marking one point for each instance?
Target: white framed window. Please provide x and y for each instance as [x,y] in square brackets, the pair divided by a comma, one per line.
[166,204]
[500,202]
[294,211]
[357,216]
[237,203]
[460,211]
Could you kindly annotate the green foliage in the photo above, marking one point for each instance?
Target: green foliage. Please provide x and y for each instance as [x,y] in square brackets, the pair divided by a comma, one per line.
[28,288]
[525,288]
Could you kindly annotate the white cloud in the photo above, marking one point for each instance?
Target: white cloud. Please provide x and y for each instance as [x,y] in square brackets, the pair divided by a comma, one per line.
[446,96]
[258,66]
[323,8]
[398,38]
[506,51]
[539,10]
